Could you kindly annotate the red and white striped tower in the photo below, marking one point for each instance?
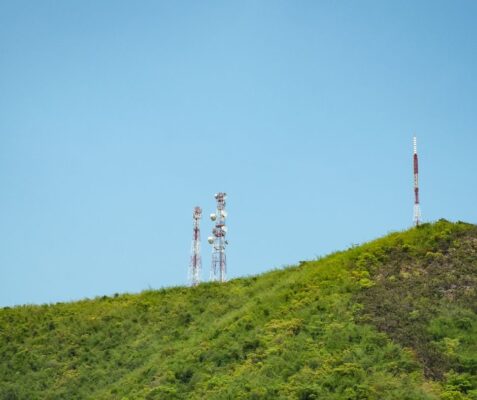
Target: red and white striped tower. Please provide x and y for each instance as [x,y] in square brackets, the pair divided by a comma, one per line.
[218,268]
[417,208]
[195,258]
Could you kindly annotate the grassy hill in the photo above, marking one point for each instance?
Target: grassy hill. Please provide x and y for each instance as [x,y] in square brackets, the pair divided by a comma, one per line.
[392,319]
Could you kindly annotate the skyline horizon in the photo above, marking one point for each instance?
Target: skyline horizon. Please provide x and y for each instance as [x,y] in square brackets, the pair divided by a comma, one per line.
[117,118]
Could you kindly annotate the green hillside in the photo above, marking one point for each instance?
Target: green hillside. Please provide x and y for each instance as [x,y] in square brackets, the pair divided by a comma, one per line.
[391,319]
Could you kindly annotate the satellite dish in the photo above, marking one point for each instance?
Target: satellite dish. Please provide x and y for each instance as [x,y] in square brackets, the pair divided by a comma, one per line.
[210,239]
[224,229]
[213,217]
[224,213]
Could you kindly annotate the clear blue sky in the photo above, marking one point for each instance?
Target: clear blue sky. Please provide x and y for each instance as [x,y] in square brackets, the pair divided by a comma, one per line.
[118,117]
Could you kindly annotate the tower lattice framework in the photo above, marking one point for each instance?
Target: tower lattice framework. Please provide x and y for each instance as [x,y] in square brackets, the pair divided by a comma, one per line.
[218,269]
[417,207]
[195,258]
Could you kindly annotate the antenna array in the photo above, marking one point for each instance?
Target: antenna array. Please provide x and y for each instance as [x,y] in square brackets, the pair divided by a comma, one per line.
[217,240]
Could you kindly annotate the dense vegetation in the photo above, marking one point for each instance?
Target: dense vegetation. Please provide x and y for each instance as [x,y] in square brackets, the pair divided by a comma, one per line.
[392,319]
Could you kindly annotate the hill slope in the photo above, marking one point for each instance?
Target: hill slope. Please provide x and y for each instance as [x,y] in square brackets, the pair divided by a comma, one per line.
[392,319]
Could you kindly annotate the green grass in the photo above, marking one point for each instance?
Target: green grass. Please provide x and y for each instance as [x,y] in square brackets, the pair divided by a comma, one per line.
[392,319]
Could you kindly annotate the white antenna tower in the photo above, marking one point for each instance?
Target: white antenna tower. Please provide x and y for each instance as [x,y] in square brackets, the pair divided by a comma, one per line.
[217,240]
[195,258]
[417,207]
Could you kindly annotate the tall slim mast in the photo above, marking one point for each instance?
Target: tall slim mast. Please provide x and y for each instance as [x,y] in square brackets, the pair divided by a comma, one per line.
[417,208]
[217,240]
[195,258]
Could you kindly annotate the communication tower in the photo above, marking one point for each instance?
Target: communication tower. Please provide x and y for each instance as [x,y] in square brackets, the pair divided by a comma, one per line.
[195,258]
[217,240]
[417,208]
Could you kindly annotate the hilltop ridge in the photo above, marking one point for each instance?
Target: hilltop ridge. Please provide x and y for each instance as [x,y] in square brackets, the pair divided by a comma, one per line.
[395,318]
